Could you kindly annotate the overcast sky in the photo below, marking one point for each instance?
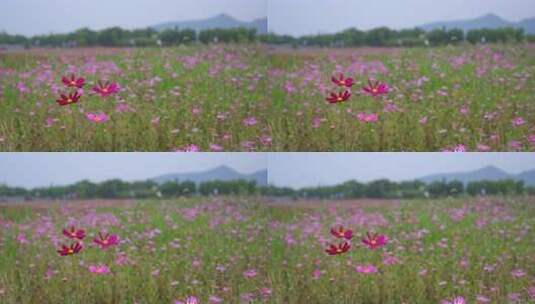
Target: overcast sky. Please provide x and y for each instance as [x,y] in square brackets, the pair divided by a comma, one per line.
[284,169]
[30,17]
[312,169]
[298,17]
[43,169]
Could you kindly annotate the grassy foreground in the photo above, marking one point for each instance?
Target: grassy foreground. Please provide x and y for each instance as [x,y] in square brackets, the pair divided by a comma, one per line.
[189,98]
[249,98]
[452,98]
[246,250]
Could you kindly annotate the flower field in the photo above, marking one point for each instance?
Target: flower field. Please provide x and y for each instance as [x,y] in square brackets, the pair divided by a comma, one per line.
[250,98]
[181,99]
[251,250]
[373,99]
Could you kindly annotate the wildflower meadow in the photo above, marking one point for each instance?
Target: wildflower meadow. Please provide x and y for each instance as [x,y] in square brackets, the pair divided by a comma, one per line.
[252,97]
[177,99]
[466,98]
[254,250]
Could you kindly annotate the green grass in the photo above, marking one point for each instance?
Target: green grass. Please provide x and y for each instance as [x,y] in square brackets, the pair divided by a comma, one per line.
[493,99]
[243,233]
[156,83]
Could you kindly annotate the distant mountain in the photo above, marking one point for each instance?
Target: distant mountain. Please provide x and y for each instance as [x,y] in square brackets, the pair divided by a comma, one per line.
[490,21]
[221,173]
[487,173]
[222,21]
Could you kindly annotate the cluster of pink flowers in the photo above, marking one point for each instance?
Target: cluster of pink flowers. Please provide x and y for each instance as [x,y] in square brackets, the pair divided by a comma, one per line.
[374,89]
[104,241]
[372,241]
[76,84]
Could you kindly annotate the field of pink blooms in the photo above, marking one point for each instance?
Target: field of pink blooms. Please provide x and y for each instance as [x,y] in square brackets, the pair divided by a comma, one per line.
[208,98]
[436,99]
[251,250]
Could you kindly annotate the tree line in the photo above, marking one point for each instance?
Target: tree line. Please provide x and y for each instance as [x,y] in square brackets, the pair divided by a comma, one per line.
[352,37]
[118,37]
[386,37]
[383,188]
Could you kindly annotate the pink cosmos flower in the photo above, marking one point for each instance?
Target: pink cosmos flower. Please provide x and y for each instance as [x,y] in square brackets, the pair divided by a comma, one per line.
[390,259]
[531,292]
[518,273]
[22,88]
[366,269]
[531,139]
[363,117]
[518,121]
[188,300]
[265,292]
[97,117]
[99,269]
[341,81]
[106,89]
[21,238]
[376,88]
[249,121]
[423,120]
[342,232]
[456,300]
[464,110]
[250,273]
[374,241]
[106,240]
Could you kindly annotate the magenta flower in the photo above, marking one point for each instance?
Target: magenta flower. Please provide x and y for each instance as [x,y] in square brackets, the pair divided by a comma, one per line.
[106,89]
[456,300]
[74,233]
[249,273]
[460,148]
[73,81]
[249,121]
[518,121]
[342,81]
[97,117]
[518,273]
[363,117]
[265,292]
[188,300]
[376,88]
[366,269]
[531,139]
[342,232]
[423,120]
[22,88]
[21,238]
[374,241]
[106,240]
[99,269]
[531,292]
[390,259]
